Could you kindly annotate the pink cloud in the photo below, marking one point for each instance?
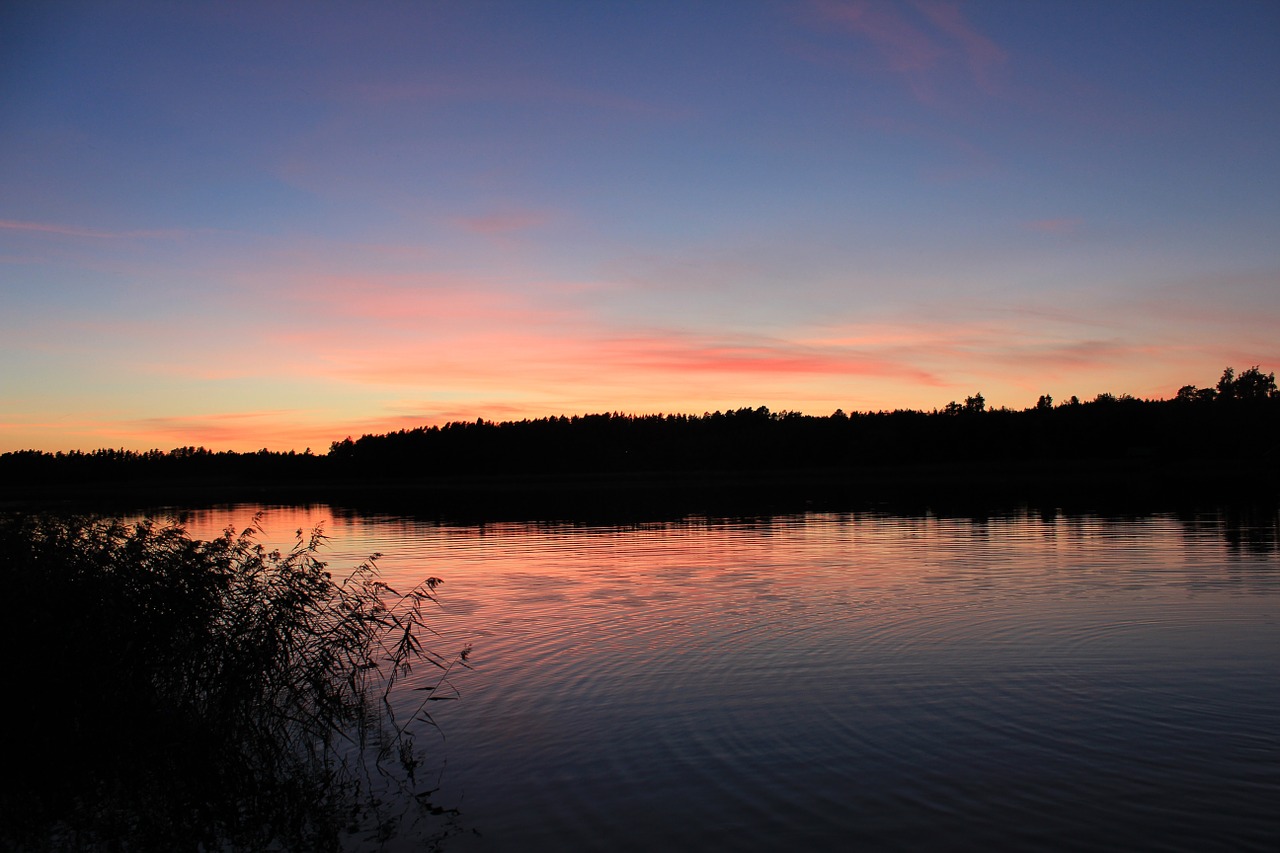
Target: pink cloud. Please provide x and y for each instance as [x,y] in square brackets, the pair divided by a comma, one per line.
[471,346]
[534,356]
[497,224]
[1004,344]
[921,48]
[681,354]
[905,47]
[52,228]
[982,53]
[76,231]
[412,300]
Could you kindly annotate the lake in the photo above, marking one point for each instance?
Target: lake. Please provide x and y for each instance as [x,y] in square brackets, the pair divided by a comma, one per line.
[845,681]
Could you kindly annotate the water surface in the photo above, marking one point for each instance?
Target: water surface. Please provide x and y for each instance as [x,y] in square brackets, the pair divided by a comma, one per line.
[846,681]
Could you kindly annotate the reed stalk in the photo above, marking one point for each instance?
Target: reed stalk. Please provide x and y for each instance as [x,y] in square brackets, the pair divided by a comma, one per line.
[175,693]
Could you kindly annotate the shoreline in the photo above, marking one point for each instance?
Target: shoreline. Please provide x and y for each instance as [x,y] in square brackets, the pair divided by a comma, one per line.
[1074,485]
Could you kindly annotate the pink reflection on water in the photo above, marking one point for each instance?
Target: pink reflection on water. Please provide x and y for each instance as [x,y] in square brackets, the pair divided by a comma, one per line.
[815,678]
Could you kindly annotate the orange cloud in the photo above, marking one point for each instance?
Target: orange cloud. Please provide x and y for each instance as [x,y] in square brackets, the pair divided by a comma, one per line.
[280,428]
[332,353]
[476,338]
[602,362]
[277,430]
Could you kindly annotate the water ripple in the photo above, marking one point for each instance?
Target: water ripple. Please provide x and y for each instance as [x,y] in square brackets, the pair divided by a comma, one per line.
[836,681]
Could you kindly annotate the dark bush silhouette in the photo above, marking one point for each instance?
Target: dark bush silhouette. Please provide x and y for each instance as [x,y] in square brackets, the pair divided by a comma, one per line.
[176,693]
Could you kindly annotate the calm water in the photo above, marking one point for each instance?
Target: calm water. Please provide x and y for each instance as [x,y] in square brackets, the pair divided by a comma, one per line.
[846,682]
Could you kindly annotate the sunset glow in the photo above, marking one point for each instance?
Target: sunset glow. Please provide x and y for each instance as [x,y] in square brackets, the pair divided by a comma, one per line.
[245,227]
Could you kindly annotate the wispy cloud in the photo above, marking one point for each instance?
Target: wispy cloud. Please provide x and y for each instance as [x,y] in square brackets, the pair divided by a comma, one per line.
[925,43]
[278,430]
[485,338]
[905,47]
[91,233]
[615,362]
[1061,225]
[502,223]
[423,301]
[982,55]
[683,353]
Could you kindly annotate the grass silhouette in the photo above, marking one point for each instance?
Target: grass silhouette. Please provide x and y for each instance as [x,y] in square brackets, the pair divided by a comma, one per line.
[185,694]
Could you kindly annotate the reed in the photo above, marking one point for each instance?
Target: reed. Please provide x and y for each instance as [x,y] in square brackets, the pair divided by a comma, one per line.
[184,694]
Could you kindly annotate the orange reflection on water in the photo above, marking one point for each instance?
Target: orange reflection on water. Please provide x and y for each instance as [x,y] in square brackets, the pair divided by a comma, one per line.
[814,679]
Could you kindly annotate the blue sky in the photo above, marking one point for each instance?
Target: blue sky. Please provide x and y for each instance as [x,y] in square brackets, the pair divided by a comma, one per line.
[249,225]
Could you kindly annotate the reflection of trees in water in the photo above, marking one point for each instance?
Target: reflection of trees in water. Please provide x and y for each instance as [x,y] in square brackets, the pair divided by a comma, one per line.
[179,694]
[1252,528]
[1247,529]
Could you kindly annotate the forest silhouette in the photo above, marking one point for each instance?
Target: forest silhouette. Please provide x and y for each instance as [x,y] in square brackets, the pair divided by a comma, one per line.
[1222,435]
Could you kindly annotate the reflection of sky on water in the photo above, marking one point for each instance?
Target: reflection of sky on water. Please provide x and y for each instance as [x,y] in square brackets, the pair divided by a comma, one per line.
[890,681]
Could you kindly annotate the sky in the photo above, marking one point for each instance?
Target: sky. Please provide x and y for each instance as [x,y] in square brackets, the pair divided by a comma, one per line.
[274,225]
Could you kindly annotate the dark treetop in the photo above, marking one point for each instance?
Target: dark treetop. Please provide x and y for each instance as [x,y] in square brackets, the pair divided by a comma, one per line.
[1221,438]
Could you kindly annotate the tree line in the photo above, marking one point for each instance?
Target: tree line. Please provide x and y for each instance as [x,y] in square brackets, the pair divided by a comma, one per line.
[1235,419]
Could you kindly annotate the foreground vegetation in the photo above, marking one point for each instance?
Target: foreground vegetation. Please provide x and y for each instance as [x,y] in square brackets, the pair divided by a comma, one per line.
[174,693]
